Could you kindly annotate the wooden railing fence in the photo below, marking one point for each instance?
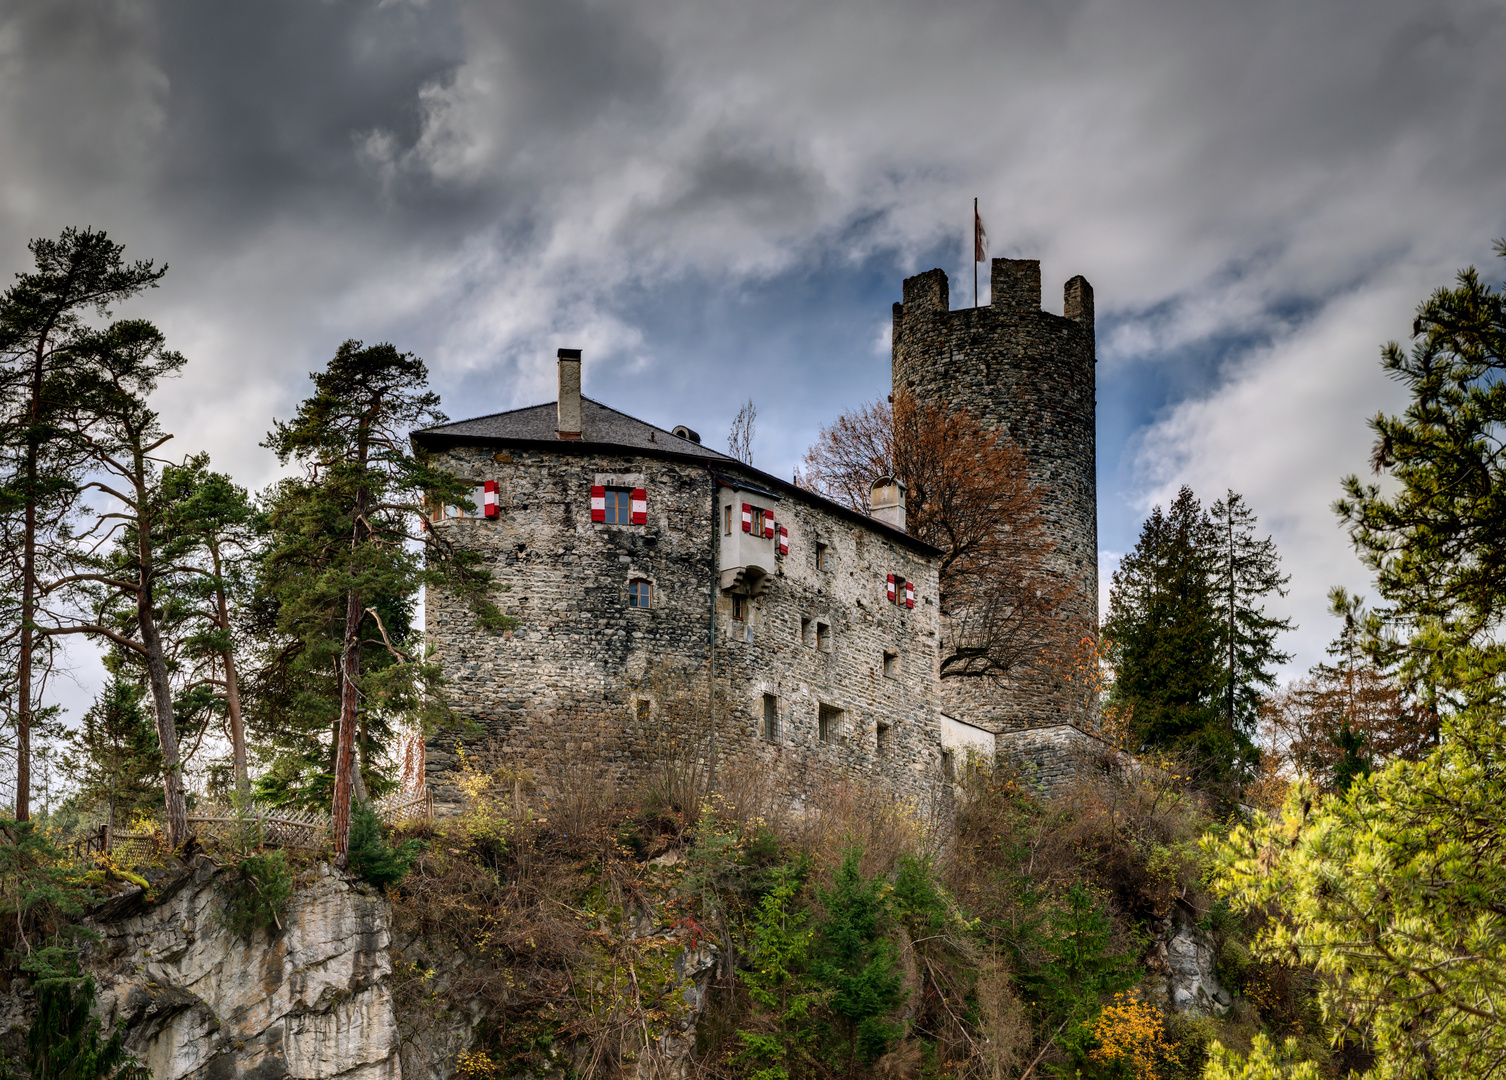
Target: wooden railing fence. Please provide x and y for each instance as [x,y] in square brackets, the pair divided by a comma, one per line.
[252,826]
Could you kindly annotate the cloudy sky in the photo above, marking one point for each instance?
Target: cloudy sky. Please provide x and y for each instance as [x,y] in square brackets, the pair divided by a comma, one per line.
[718,201]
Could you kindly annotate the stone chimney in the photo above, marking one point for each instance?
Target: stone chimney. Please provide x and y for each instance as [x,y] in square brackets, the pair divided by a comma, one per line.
[886,502]
[568,426]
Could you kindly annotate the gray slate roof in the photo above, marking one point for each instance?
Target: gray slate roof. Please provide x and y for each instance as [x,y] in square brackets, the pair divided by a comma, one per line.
[605,426]
[599,424]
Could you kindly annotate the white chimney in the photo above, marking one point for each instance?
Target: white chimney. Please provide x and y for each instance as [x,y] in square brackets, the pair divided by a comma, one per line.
[568,426]
[886,502]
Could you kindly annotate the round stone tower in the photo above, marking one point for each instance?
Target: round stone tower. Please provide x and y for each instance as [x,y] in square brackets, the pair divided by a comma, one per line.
[1028,374]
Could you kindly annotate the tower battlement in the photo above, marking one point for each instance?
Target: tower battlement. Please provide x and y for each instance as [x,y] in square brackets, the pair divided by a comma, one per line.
[1028,374]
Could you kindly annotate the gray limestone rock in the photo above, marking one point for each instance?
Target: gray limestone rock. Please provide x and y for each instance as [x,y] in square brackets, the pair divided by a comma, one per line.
[201,1003]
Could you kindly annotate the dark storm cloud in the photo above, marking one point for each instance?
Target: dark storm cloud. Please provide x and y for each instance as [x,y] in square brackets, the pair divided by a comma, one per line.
[717,200]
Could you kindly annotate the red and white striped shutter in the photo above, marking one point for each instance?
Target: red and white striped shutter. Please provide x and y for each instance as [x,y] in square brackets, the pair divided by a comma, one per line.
[747,517]
[598,503]
[909,594]
[768,524]
[489,499]
[784,540]
[640,506]
[890,592]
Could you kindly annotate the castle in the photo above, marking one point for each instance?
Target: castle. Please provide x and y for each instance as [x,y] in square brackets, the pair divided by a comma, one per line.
[627,549]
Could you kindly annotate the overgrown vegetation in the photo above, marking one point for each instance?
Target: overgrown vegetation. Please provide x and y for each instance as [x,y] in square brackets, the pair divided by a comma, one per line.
[861,941]
[258,892]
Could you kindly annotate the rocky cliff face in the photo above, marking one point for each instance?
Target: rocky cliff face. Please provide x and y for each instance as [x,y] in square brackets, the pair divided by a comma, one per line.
[311,1001]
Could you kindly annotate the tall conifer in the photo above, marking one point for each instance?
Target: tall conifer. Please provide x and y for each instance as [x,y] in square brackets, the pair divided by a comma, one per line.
[1163,626]
[42,318]
[1245,571]
[349,548]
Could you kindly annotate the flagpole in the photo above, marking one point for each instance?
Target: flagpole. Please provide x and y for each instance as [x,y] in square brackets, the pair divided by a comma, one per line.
[975,252]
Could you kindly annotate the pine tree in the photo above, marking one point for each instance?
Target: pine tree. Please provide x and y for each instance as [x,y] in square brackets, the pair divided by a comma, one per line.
[1163,629]
[1245,572]
[113,756]
[41,323]
[857,963]
[221,535]
[349,552]
[1435,543]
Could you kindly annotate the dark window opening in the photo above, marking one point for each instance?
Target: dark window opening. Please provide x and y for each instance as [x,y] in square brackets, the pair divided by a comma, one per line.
[891,664]
[828,723]
[739,610]
[823,557]
[948,766]
[823,636]
[771,718]
[640,709]
[619,506]
[883,740]
[640,594]
[728,529]
[805,631]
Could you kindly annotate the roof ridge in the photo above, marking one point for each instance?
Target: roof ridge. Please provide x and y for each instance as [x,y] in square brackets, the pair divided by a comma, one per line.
[485,416]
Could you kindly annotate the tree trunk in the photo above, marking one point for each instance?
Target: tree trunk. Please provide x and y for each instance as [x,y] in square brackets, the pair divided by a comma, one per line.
[232,687]
[156,661]
[362,760]
[167,731]
[28,589]
[350,667]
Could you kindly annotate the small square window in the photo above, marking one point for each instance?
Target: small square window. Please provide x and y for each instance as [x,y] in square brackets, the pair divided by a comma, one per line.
[823,557]
[805,631]
[619,507]
[828,723]
[891,664]
[640,594]
[823,636]
[771,718]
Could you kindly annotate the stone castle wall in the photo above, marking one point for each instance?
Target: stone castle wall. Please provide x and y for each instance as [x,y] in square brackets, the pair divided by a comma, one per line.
[584,674]
[1029,374]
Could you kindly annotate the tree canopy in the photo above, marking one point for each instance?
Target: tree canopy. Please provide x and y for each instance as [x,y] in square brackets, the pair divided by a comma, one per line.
[1392,889]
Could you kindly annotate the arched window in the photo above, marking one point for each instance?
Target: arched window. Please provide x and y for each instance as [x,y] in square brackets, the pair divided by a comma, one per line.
[640,593]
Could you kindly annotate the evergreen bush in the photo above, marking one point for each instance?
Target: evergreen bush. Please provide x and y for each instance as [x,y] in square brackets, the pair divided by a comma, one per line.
[64,1041]
[259,892]
[372,859]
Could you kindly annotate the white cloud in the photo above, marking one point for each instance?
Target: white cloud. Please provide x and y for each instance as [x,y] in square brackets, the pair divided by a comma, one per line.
[1283,426]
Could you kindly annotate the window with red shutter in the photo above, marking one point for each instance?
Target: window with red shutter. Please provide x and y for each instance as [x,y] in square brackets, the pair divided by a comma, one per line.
[598,503]
[640,506]
[889,591]
[489,497]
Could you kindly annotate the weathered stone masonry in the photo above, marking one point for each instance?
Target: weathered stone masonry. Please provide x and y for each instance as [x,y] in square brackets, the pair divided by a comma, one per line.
[815,641]
[1028,374]
[820,667]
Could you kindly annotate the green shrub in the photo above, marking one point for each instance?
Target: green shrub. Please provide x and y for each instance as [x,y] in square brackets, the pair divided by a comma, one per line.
[259,891]
[372,859]
[857,962]
[64,1041]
